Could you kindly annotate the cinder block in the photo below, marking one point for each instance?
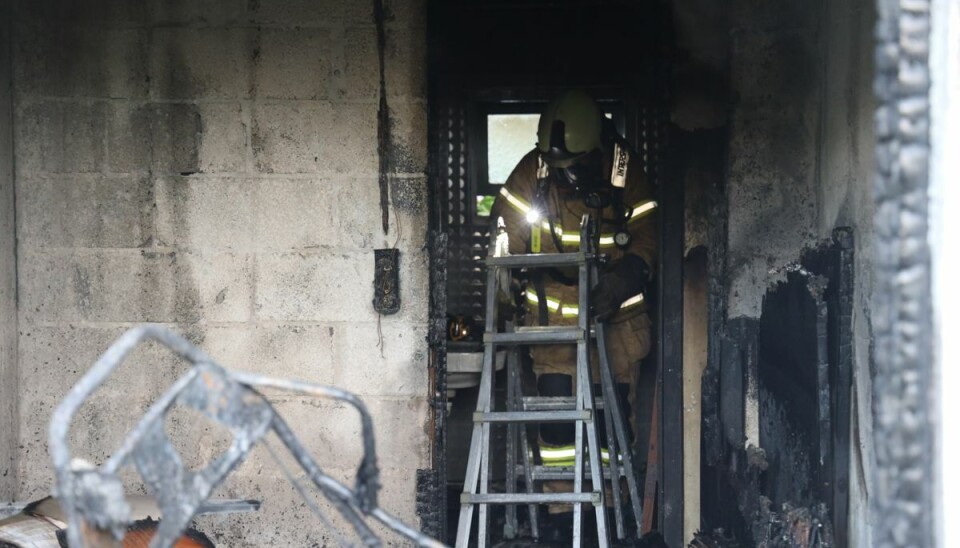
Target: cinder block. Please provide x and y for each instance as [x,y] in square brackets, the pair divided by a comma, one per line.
[293,64]
[301,352]
[314,286]
[64,59]
[414,285]
[104,13]
[299,214]
[194,63]
[162,138]
[129,137]
[224,282]
[285,136]
[52,360]
[60,137]
[185,12]
[284,519]
[331,430]
[408,137]
[395,366]
[361,68]
[406,62]
[398,495]
[133,286]
[203,212]
[356,203]
[409,196]
[348,139]
[402,441]
[406,12]
[175,137]
[223,141]
[84,211]
[307,13]
[405,59]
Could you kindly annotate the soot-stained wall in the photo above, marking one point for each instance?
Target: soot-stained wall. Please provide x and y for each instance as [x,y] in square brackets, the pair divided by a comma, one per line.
[8,273]
[799,165]
[213,166]
[801,132]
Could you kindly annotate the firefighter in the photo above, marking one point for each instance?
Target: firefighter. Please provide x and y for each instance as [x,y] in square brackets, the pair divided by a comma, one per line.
[581,166]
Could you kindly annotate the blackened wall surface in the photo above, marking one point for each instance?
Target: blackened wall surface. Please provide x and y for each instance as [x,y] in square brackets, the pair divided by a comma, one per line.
[798,166]
[791,352]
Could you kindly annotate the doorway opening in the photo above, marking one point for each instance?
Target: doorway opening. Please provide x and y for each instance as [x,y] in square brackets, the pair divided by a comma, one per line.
[494,66]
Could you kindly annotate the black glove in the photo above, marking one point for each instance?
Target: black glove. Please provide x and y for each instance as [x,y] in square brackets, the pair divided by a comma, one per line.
[627,279]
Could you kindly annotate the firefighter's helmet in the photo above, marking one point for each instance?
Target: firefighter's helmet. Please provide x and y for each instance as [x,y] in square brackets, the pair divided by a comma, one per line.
[570,127]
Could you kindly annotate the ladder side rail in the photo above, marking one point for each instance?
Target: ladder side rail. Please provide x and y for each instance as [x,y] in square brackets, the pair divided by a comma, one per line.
[528,477]
[489,370]
[481,431]
[585,397]
[471,479]
[613,454]
[623,440]
[510,526]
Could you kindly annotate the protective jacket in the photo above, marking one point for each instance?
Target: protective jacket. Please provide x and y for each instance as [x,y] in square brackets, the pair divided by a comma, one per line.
[546,215]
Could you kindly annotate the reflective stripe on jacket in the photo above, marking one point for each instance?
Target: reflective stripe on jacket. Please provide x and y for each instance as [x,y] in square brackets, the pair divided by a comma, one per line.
[565,209]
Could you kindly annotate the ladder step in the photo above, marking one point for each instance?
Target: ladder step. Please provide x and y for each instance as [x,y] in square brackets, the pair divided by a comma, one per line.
[540,260]
[529,498]
[549,473]
[533,416]
[547,335]
[567,403]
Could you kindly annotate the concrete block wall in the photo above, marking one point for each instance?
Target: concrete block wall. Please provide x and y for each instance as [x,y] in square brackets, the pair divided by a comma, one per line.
[9,373]
[212,166]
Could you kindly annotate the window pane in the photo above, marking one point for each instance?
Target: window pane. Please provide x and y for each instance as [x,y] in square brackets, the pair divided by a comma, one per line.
[509,137]
[484,205]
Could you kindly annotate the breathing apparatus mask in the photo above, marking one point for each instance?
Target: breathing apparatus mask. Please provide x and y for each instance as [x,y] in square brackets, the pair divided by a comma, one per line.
[586,177]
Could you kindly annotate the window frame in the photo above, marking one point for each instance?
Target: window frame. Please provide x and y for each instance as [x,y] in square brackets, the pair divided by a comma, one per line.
[478,183]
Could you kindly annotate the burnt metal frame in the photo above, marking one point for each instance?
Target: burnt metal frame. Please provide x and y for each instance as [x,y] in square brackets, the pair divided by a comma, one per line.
[93,499]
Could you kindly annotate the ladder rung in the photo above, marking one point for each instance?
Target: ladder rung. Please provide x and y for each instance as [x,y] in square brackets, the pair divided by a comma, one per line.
[540,260]
[553,335]
[567,403]
[533,416]
[549,473]
[529,498]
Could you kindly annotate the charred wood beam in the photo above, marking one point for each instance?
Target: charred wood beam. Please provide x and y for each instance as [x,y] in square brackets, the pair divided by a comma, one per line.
[841,332]
[431,483]
[671,360]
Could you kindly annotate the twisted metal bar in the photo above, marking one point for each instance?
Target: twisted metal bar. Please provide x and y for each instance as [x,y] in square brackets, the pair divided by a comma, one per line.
[93,499]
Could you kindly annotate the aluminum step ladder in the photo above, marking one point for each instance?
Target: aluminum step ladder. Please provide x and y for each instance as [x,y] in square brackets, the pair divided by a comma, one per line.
[580,409]
[617,453]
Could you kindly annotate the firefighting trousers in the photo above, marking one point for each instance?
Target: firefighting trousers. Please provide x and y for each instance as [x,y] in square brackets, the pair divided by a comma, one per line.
[628,342]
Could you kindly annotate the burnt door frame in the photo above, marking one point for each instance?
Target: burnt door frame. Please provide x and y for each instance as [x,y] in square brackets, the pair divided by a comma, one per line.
[452,92]
[902,359]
